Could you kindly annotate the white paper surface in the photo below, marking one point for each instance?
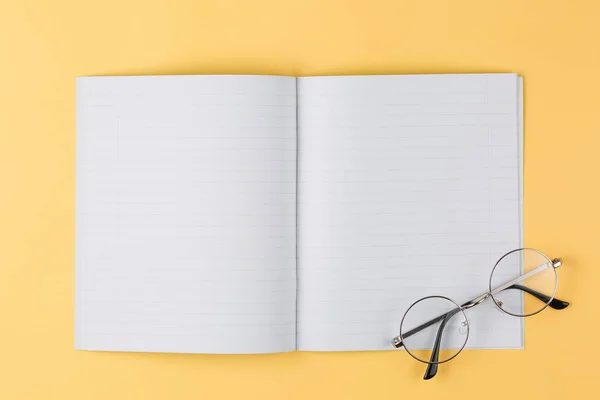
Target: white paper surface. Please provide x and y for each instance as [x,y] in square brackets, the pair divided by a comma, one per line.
[408,186]
[186,214]
[186,208]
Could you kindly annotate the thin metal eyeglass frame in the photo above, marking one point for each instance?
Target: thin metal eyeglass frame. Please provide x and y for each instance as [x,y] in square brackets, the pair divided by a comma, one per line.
[512,284]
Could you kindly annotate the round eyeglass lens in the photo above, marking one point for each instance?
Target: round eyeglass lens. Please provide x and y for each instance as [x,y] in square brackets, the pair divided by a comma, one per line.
[434,329]
[523,282]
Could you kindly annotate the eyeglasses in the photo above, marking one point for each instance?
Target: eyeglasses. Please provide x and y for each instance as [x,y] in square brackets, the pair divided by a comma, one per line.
[435,329]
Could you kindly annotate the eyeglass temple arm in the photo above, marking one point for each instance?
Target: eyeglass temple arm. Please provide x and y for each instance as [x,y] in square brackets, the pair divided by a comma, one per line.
[556,304]
[433,368]
[419,329]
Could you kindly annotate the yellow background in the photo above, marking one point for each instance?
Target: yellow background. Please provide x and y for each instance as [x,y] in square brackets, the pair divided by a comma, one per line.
[44,45]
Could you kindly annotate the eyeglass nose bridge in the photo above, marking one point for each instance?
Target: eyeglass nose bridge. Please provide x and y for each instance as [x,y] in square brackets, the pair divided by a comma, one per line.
[477,301]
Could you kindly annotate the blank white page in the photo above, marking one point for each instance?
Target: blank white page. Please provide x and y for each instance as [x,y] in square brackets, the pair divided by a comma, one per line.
[408,186]
[186,214]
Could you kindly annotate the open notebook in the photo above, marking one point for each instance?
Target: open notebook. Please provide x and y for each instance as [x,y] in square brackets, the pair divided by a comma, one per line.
[255,214]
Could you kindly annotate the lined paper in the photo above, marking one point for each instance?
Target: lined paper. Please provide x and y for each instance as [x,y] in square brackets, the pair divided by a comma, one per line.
[408,186]
[186,214]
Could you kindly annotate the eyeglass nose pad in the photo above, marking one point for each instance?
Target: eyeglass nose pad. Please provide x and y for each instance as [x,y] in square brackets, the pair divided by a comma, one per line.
[464,326]
[499,304]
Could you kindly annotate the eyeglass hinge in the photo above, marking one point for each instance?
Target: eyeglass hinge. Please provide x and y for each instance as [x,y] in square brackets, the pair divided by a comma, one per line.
[557,262]
[397,342]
